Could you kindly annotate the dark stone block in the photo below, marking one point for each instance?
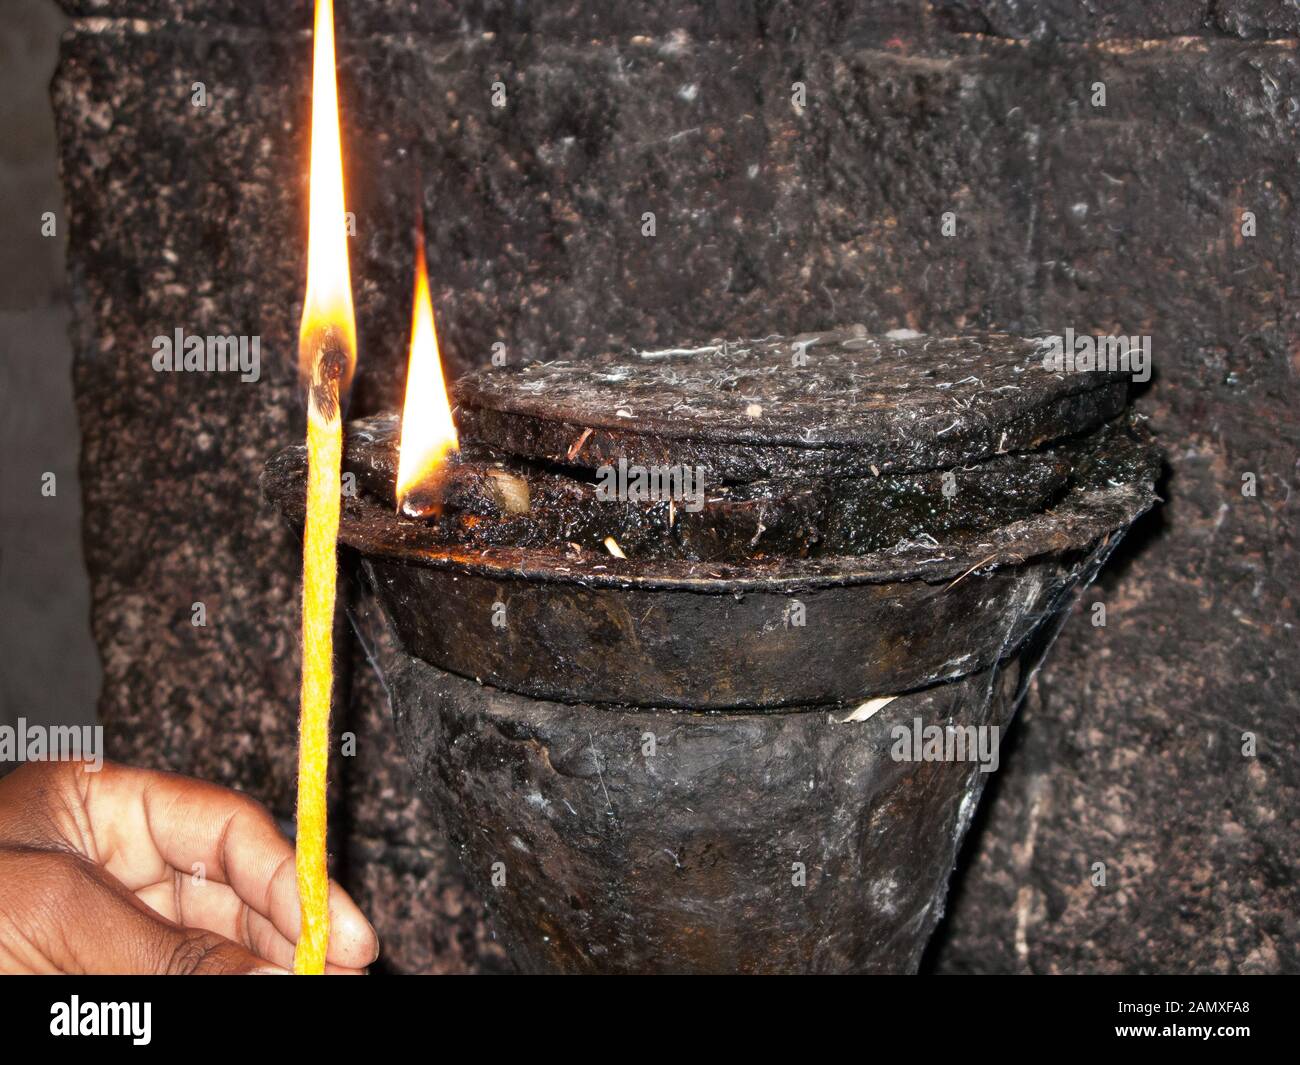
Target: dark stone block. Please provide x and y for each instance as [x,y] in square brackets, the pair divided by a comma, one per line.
[1146,772]
[893,146]
[1069,20]
[571,21]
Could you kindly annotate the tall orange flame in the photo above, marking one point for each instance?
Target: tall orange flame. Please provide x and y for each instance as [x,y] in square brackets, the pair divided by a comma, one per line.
[327,307]
[428,432]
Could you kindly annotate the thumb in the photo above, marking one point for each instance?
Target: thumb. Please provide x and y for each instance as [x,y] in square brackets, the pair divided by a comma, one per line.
[194,952]
[104,928]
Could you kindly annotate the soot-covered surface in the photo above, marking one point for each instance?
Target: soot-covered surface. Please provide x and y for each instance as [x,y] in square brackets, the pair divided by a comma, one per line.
[1111,483]
[833,403]
[751,843]
[551,619]
[491,499]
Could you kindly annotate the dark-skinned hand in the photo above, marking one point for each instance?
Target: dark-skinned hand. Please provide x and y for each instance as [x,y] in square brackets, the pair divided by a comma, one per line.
[133,871]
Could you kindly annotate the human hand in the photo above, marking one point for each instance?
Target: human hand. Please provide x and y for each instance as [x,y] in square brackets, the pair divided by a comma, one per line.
[133,871]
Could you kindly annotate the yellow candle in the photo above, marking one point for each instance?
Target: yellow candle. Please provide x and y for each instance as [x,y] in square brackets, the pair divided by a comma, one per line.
[327,352]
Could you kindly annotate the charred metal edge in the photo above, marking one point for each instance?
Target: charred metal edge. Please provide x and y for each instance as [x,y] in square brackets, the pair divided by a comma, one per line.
[1079,519]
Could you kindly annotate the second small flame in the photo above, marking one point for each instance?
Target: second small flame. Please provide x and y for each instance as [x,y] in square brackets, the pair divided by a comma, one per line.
[428,437]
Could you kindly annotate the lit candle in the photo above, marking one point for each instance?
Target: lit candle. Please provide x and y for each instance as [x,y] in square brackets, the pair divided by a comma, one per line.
[428,437]
[327,344]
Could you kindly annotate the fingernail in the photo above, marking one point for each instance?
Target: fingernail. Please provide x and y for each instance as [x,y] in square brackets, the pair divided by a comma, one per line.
[269,970]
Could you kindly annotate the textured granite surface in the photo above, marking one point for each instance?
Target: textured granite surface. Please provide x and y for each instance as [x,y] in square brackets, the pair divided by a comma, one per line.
[769,218]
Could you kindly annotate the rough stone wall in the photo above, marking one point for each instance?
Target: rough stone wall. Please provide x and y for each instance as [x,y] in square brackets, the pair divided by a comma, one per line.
[769,218]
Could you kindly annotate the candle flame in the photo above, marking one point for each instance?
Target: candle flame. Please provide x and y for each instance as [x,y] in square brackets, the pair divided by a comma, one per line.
[327,314]
[428,432]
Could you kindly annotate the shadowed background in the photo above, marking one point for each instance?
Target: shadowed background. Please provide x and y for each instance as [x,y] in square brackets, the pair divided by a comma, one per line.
[49,673]
[770,217]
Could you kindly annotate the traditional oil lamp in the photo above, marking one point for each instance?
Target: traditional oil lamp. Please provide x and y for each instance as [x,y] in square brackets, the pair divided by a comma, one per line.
[664,724]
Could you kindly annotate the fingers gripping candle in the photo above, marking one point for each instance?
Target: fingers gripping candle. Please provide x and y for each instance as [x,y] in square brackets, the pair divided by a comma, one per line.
[327,346]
